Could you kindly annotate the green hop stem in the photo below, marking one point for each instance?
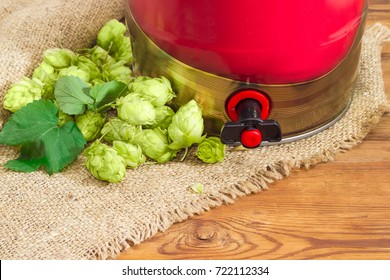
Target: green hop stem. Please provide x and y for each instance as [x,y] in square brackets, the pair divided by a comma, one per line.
[105,133]
[185,154]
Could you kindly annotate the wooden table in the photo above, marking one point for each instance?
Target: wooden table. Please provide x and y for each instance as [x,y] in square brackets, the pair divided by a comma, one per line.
[337,210]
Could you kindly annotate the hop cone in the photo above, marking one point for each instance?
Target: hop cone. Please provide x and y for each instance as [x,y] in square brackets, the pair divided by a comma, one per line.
[135,110]
[211,150]
[90,67]
[47,75]
[157,91]
[187,126]
[90,123]
[59,58]
[117,129]
[154,144]
[23,92]
[75,71]
[104,163]
[111,38]
[132,153]
[117,71]
[99,56]
[163,118]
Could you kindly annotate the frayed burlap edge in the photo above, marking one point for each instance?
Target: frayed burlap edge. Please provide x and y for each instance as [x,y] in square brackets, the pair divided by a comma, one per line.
[257,182]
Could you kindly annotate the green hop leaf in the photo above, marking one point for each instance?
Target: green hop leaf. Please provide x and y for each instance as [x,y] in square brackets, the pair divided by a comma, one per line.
[135,110]
[211,150]
[187,126]
[30,159]
[154,144]
[22,93]
[104,163]
[132,153]
[44,143]
[106,93]
[157,91]
[90,123]
[70,95]
[117,129]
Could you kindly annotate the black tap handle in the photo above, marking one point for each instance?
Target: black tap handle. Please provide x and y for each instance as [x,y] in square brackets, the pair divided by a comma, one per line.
[269,129]
[231,133]
[250,130]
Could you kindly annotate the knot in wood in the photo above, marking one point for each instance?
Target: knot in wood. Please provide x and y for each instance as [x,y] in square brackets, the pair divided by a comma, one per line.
[205,232]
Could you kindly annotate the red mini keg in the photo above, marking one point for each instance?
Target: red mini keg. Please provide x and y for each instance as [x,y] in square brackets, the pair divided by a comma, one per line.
[262,71]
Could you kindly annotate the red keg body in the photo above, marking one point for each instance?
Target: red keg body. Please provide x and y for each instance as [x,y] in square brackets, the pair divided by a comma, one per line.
[262,71]
[268,42]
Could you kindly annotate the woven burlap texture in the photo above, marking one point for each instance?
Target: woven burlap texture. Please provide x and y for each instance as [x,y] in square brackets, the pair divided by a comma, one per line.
[71,215]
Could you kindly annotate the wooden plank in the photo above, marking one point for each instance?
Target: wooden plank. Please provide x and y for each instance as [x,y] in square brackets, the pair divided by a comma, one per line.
[337,210]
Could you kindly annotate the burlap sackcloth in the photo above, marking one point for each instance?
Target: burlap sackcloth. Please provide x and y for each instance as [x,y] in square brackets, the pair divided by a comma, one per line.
[71,215]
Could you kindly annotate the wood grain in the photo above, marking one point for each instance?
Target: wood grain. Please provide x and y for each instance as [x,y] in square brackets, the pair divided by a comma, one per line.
[337,210]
